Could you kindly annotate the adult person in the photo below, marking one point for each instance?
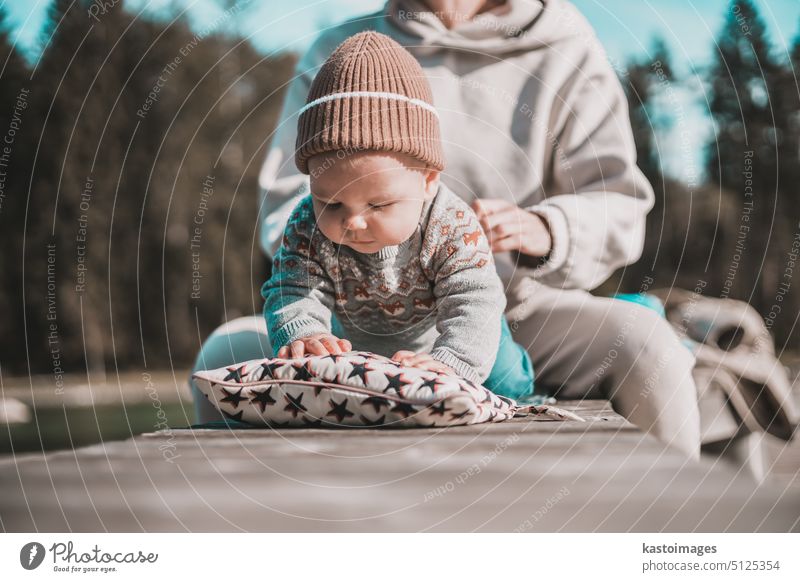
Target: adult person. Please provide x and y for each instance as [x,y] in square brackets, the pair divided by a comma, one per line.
[537,138]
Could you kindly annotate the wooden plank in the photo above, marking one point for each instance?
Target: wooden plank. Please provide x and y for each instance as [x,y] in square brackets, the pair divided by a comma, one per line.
[525,475]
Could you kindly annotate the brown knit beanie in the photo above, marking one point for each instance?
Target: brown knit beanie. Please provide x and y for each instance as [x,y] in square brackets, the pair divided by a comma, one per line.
[371,94]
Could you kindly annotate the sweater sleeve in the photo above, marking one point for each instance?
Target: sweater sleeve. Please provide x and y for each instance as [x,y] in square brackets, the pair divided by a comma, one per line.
[599,202]
[469,294]
[298,297]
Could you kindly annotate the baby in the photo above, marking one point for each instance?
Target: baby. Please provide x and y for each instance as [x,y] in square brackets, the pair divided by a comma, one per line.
[382,256]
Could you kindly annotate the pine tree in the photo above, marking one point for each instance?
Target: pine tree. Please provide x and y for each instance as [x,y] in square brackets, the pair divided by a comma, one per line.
[787,115]
[743,155]
[642,82]
[646,81]
[17,123]
[116,192]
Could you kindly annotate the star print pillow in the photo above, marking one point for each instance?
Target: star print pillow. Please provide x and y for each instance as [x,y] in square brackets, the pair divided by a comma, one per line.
[354,389]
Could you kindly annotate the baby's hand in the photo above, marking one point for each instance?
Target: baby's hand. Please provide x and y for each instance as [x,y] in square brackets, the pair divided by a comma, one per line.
[319,344]
[423,361]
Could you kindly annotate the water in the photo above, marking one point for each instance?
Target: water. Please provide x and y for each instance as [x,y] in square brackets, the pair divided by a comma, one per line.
[54,428]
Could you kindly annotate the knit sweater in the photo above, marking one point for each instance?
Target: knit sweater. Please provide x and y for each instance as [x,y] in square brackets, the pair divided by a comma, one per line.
[437,292]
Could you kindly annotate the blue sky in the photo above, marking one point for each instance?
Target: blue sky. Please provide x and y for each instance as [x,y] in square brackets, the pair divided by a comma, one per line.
[625,27]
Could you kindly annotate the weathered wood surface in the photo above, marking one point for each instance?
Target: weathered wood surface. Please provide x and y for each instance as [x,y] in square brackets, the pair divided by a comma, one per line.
[603,475]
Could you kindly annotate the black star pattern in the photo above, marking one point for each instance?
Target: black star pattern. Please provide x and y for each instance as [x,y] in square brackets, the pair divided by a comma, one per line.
[263,398]
[237,416]
[376,422]
[295,405]
[339,410]
[233,396]
[438,409]
[468,386]
[301,372]
[377,402]
[395,382]
[360,370]
[268,370]
[405,409]
[485,408]
[235,374]
[459,415]
[432,383]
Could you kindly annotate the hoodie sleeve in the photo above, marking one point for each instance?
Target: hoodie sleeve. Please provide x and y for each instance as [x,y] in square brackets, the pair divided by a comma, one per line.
[598,198]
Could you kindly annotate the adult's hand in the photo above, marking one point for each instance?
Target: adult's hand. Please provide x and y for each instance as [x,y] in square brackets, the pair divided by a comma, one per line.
[511,228]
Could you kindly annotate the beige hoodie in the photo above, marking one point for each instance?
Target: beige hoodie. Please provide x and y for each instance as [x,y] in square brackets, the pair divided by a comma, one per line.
[530,110]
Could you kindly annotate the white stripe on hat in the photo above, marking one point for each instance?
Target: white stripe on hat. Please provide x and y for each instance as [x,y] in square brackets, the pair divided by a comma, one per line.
[382,94]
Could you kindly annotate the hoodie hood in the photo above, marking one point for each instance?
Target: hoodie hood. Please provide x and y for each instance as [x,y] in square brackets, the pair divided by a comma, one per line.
[513,26]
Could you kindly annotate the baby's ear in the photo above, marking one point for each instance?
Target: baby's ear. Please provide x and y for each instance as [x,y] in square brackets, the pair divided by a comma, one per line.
[431,176]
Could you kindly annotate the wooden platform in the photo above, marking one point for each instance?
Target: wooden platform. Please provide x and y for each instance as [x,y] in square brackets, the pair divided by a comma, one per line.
[523,475]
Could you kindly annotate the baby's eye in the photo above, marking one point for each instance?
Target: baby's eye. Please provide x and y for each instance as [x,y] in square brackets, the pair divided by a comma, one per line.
[332,205]
[380,206]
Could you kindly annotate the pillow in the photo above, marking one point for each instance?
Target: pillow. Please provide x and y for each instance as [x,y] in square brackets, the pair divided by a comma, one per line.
[354,389]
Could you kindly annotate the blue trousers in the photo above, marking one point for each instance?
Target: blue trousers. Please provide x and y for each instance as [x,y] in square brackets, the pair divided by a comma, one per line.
[512,373]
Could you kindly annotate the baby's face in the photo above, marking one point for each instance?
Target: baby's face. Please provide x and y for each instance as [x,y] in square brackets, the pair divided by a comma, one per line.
[369,200]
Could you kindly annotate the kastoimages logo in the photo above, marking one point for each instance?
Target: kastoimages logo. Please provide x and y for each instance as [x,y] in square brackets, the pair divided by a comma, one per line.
[31,555]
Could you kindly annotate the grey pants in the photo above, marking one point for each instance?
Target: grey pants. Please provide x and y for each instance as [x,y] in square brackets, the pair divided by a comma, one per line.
[581,346]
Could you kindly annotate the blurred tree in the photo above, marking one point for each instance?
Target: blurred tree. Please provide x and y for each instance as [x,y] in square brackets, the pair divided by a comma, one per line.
[787,114]
[743,156]
[15,106]
[683,233]
[642,82]
[129,123]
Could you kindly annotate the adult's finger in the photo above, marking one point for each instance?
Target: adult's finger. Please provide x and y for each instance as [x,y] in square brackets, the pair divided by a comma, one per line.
[508,216]
[486,206]
[345,345]
[507,243]
[495,236]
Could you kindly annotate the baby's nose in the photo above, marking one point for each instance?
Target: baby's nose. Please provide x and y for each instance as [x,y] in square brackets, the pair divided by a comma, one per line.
[356,222]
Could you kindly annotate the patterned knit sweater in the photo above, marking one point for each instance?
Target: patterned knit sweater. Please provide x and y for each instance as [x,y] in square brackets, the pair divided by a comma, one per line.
[436,292]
